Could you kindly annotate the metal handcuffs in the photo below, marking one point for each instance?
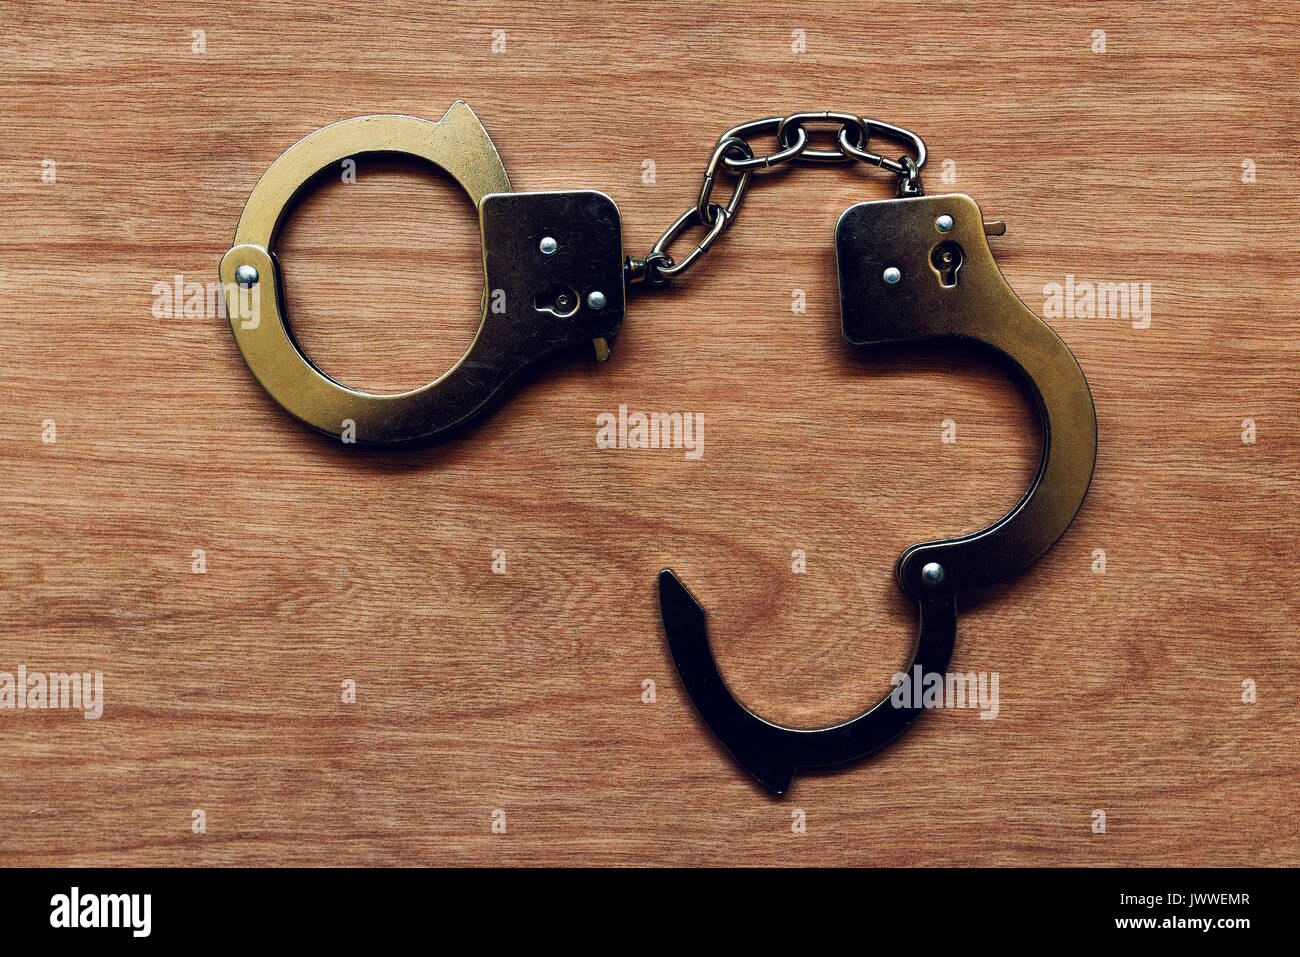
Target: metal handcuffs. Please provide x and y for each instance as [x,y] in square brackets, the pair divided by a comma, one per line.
[912,268]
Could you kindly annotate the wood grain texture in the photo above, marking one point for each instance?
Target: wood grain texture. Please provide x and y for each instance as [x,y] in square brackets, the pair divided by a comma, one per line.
[1119,691]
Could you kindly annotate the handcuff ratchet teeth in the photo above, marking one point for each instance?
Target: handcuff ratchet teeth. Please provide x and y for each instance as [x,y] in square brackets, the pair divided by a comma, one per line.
[912,268]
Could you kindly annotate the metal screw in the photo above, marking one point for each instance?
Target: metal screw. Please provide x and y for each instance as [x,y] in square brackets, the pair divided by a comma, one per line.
[246,276]
[548,245]
[892,275]
[943,223]
[932,575]
[596,299]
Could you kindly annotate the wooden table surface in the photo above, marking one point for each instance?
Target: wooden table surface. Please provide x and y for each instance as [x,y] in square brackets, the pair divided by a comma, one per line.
[1167,159]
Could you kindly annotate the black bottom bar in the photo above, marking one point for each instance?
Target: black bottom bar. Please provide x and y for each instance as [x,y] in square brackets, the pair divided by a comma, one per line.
[936,907]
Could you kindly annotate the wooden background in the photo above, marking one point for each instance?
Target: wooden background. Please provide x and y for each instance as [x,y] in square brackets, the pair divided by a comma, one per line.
[1120,691]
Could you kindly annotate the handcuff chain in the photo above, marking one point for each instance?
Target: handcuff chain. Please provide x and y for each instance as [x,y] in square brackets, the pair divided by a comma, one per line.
[734,153]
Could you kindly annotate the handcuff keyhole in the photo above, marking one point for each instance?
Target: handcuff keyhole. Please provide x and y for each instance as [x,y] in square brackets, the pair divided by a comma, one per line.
[946,258]
[559,300]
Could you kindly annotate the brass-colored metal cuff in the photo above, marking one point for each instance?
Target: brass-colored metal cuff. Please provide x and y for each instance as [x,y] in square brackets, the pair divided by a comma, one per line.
[458,144]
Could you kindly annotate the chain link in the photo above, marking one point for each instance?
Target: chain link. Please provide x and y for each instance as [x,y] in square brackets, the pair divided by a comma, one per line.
[850,135]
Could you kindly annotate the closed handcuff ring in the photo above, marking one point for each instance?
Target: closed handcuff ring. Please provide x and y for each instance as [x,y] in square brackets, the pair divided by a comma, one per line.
[552,264]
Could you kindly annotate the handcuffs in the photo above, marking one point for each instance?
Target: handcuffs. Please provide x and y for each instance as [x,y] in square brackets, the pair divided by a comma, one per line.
[912,268]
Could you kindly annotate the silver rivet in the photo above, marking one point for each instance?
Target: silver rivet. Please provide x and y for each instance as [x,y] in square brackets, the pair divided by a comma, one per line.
[548,245]
[943,223]
[246,276]
[892,275]
[596,299]
[932,575]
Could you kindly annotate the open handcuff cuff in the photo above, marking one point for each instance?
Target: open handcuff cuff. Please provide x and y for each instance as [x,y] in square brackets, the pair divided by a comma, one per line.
[913,268]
